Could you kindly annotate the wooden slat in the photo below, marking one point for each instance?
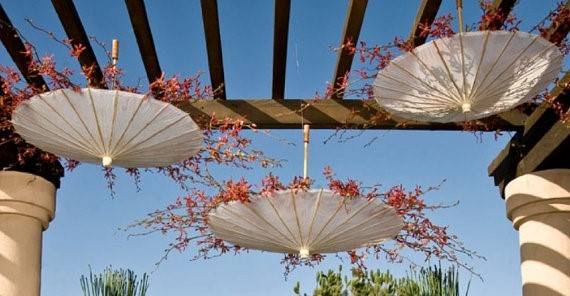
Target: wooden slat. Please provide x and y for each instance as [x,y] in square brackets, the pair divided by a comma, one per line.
[351,31]
[327,114]
[143,34]
[16,49]
[214,46]
[73,27]
[503,7]
[426,14]
[556,139]
[536,125]
[280,38]
[553,135]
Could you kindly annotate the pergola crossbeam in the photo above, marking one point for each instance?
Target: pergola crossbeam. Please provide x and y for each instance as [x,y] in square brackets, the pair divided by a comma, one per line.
[329,114]
[280,38]
[425,17]
[17,51]
[214,46]
[503,8]
[75,31]
[351,31]
[143,34]
[558,30]
[550,152]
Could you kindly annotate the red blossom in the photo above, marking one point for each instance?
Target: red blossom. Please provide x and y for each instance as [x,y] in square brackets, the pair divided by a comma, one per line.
[560,16]
[495,19]
[234,191]
[76,50]
[441,27]
[270,184]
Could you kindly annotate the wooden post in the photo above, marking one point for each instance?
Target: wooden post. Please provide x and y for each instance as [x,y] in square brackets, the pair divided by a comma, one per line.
[306,128]
[115,52]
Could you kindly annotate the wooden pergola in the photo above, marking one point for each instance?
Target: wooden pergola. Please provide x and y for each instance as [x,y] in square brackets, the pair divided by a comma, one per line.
[534,163]
[539,143]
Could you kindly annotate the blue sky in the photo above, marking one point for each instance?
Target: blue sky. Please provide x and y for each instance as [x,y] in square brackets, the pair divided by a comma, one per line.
[85,230]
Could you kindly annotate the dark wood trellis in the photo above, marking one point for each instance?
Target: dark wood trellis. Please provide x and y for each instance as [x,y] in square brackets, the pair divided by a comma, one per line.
[540,141]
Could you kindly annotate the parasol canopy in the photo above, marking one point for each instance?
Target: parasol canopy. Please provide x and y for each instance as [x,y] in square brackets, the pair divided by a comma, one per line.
[467,76]
[108,126]
[305,222]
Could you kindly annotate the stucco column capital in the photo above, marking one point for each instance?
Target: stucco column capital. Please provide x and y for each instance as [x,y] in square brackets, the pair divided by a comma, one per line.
[538,193]
[27,195]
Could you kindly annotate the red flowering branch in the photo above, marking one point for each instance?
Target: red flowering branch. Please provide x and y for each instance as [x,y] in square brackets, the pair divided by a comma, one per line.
[559,16]
[187,219]
[225,144]
[373,58]
[493,18]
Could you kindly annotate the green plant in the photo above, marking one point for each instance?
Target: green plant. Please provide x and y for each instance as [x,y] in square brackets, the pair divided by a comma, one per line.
[432,281]
[114,283]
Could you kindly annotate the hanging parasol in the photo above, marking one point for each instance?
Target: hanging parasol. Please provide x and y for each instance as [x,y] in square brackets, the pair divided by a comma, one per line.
[305,222]
[467,76]
[108,126]
[111,127]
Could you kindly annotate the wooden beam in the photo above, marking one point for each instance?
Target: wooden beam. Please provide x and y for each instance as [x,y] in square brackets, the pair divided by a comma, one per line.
[553,135]
[539,146]
[352,25]
[503,7]
[17,51]
[536,146]
[73,27]
[280,38]
[327,114]
[143,34]
[536,125]
[426,14]
[214,46]
[556,139]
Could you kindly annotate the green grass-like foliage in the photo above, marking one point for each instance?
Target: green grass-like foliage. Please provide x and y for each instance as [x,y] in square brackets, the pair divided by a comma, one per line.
[114,283]
[432,281]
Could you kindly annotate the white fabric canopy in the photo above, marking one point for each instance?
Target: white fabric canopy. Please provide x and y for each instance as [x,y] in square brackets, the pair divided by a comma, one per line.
[114,127]
[305,222]
[467,76]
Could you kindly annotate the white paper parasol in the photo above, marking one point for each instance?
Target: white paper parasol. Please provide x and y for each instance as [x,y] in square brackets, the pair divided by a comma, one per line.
[305,222]
[108,126]
[467,76]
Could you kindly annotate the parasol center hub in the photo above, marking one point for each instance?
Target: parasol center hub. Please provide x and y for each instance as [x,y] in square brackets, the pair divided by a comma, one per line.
[466,107]
[304,253]
[107,161]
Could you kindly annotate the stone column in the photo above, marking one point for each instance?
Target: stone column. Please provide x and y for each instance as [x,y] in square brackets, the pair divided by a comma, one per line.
[539,206]
[27,205]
